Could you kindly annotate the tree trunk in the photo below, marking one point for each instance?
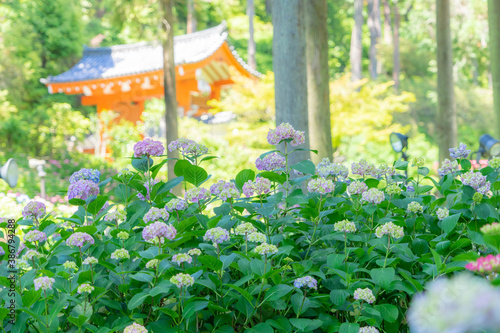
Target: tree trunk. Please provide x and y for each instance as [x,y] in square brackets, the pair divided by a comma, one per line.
[318,92]
[387,23]
[169,84]
[289,65]
[446,124]
[375,32]
[251,41]
[192,23]
[493,18]
[397,62]
[356,41]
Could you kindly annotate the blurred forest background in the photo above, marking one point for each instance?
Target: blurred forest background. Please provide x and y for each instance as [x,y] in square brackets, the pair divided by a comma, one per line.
[39,38]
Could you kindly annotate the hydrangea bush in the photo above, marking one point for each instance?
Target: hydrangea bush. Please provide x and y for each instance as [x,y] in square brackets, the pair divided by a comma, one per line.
[282,248]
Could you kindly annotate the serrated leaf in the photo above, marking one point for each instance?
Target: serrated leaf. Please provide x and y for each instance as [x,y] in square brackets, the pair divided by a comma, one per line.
[449,223]
[195,175]
[243,176]
[388,312]
[305,167]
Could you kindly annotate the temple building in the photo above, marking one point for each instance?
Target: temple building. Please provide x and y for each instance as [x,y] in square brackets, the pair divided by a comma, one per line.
[122,77]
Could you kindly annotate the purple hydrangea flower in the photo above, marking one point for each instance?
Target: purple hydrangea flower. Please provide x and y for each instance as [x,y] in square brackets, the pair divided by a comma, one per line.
[188,147]
[176,205]
[306,281]
[197,194]
[217,235]
[82,189]
[285,131]
[155,214]
[85,174]
[35,236]
[448,167]
[146,185]
[326,168]
[477,181]
[2,251]
[44,283]
[363,169]
[373,196]
[148,147]
[225,190]
[260,186]
[79,239]
[34,210]
[270,162]
[460,152]
[158,230]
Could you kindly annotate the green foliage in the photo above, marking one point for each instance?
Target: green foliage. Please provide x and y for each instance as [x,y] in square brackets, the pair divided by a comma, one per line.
[236,288]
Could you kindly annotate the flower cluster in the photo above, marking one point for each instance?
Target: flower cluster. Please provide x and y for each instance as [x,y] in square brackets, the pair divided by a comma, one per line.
[363,168]
[357,187]
[115,217]
[85,288]
[326,168]
[491,229]
[176,205]
[217,235]
[270,162]
[368,329]
[477,181]
[194,252]
[373,196]
[123,235]
[442,213]
[321,185]
[418,162]
[383,170]
[44,283]
[148,147]
[306,281]
[182,280]
[90,261]
[494,162]
[257,237]
[155,214]
[460,152]
[28,255]
[70,265]
[85,174]
[35,236]
[120,254]
[34,210]
[345,226]
[135,328]
[266,249]
[390,229]
[463,303]
[79,239]
[392,189]
[158,230]
[152,264]
[225,190]
[82,189]
[448,167]
[153,182]
[364,295]
[182,257]
[488,264]
[414,207]
[188,147]
[283,132]
[197,194]
[258,187]
[245,228]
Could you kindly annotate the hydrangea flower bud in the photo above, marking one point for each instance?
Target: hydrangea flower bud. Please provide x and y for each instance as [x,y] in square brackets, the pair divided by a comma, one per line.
[70,265]
[135,328]
[442,213]
[85,288]
[123,235]
[35,236]
[181,258]
[152,264]
[266,249]
[414,207]
[392,189]
[28,255]
[364,295]
[368,329]
[245,228]
[345,226]
[257,237]
[44,283]
[182,280]
[120,254]
[491,229]
[90,261]
[194,252]
[390,229]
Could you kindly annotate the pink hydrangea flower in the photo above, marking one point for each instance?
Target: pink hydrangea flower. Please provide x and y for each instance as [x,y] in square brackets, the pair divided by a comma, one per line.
[270,162]
[148,147]
[285,131]
[488,264]
[260,186]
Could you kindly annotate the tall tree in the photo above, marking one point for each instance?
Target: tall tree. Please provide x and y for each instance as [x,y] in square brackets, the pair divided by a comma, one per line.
[192,23]
[169,82]
[387,22]
[494,24]
[446,124]
[251,42]
[397,58]
[374,25]
[289,64]
[356,52]
[318,92]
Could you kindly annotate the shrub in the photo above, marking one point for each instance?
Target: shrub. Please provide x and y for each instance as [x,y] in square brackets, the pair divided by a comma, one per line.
[346,256]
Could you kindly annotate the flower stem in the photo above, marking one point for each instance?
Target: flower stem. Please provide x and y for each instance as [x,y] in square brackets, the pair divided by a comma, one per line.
[46,309]
[388,247]
[302,304]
